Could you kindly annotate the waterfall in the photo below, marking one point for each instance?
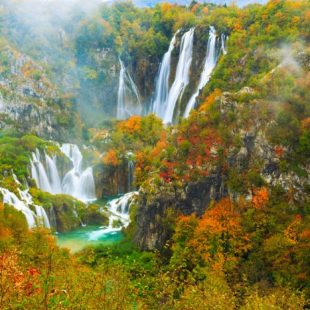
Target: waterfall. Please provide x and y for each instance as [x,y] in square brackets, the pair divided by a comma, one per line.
[210,62]
[39,173]
[223,43]
[121,113]
[128,98]
[38,218]
[77,182]
[53,174]
[52,217]
[162,84]
[130,177]
[182,75]
[119,212]
[42,217]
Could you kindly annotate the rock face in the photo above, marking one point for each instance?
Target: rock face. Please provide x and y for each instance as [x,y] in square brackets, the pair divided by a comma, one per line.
[112,181]
[158,208]
[155,220]
[29,117]
[29,101]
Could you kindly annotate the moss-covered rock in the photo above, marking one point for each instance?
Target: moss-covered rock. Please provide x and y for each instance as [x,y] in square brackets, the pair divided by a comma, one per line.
[92,215]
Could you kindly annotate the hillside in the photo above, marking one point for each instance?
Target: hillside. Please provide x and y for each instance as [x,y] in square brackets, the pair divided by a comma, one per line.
[154,157]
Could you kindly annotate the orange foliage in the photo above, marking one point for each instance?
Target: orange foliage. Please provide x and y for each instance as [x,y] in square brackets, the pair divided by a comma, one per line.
[210,100]
[205,11]
[306,123]
[221,218]
[260,198]
[195,8]
[218,236]
[111,158]
[132,125]
[161,145]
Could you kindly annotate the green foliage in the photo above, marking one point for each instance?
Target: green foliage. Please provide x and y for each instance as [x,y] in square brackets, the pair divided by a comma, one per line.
[15,151]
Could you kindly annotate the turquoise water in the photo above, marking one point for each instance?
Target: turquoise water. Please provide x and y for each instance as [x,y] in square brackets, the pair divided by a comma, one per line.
[78,239]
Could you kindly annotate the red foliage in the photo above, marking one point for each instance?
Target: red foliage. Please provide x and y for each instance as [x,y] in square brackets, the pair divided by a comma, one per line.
[279,151]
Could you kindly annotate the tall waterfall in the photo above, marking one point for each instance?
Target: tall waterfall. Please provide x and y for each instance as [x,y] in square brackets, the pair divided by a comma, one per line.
[77,182]
[209,65]
[162,84]
[182,74]
[128,98]
[37,218]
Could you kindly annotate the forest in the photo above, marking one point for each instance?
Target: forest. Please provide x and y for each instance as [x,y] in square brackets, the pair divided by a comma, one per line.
[154,157]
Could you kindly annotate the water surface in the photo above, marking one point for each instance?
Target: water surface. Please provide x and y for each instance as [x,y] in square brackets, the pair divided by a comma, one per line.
[82,237]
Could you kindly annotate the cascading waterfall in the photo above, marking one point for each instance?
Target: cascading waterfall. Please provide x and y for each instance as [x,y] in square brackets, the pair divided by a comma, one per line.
[53,174]
[37,218]
[128,98]
[119,213]
[182,75]
[162,84]
[209,65]
[38,172]
[77,182]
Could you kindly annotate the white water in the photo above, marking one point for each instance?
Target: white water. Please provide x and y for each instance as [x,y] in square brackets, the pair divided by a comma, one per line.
[77,182]
[182,75]
[223,43]
[119,212]
[162,84]
[128,98]
[37,218]
[209,65]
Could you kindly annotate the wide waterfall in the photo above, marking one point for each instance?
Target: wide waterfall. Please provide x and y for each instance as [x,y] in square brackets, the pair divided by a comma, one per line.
[128,98]
[182,75]
[77,182]
[162,84]
[209,65]
[23,203]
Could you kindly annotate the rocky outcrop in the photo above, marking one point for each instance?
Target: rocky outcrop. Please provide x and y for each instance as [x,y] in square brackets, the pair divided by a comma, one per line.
[29,117]
[30,102]
[155,219]
[112,181]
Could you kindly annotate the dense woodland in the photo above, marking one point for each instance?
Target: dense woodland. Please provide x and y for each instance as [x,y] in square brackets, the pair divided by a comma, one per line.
[248,245]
